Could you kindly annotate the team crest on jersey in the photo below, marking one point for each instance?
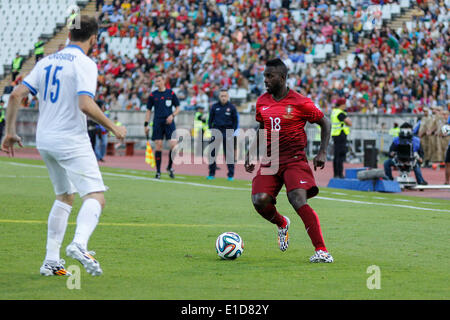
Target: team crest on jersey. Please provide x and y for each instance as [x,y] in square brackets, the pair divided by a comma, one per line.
[289,110]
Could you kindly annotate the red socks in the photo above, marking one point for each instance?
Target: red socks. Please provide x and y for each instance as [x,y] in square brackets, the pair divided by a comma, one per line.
[309,218]
[271,214]
[312,226]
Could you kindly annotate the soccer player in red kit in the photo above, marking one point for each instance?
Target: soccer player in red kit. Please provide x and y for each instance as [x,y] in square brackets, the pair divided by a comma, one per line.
[285,111]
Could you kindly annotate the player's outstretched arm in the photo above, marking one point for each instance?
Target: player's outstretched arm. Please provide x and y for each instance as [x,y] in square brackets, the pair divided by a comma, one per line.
[11,137]
[90,108]
[325,132]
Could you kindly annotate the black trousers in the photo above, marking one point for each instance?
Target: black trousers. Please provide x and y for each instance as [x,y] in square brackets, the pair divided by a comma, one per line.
[2,126]
[340,150]
[230,166]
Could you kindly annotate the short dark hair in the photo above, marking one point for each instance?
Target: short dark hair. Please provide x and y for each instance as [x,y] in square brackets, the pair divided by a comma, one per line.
[88,26]
[279,64]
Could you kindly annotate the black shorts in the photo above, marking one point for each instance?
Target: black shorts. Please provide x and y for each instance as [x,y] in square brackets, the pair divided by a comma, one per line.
[162,130]
[447,155]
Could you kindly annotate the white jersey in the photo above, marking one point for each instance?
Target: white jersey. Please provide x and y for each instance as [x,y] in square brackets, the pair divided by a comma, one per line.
[58,80]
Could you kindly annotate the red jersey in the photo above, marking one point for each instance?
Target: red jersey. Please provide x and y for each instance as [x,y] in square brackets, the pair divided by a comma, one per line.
[288,117]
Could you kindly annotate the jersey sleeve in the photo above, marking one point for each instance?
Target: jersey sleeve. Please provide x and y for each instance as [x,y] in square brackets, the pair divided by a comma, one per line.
[175,100]
[310,112]
[87,79]
[150,102]
[31,81]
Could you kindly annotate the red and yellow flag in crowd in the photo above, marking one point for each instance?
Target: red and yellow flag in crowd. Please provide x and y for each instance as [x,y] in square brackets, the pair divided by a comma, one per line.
[149,158]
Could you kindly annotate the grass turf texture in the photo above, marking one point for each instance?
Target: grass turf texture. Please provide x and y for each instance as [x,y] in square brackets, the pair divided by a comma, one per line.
[156,240]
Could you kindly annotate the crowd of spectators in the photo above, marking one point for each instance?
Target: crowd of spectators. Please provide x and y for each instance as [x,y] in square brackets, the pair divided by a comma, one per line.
[205,45]
[394,71]
[202,46]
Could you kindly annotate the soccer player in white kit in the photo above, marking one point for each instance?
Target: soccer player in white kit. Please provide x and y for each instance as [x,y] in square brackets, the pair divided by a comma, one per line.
[65,83]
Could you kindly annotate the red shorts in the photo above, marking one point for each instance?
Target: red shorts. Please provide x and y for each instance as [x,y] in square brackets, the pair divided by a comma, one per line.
[294,175]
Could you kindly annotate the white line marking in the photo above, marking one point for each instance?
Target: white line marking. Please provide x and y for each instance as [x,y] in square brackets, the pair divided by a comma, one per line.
[384,204]
[25,165]
[247,189]
[6,176]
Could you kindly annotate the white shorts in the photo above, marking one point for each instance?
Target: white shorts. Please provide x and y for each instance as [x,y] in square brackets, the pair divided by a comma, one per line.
[74,171]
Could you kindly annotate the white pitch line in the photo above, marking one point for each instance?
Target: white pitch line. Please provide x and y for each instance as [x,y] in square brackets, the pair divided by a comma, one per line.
[13,176]
[248,189]
[25,165]
[173,181]
[384,204]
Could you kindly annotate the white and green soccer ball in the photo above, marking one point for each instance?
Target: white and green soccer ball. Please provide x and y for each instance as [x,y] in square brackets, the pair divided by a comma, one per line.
[229,246]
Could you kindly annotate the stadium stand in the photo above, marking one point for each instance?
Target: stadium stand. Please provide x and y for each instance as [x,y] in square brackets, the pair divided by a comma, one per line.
[366,51]
[27,21]
[252,41]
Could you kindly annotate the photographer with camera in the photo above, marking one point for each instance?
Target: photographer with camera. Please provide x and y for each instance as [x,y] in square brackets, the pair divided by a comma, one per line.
[406,138]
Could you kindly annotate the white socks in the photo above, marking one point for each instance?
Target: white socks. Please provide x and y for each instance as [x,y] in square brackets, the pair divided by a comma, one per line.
[57,223]
[87,220]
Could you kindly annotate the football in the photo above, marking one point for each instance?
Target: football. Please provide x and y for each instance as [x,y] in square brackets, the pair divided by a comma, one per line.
[229,246]
[446,129]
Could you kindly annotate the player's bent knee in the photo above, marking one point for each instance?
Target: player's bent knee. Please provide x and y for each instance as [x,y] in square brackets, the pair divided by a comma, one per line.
[297,198]
[158,145]
[99,196]
[261,200]
[66,198]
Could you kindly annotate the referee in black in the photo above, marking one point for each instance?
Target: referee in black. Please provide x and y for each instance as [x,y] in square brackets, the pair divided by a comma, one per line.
[164,101]
[222,116]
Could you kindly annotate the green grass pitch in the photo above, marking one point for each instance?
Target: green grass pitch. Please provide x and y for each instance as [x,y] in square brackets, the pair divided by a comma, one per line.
[156,240]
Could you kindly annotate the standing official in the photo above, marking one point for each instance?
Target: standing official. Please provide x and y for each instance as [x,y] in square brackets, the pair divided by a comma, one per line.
[39,50]
[394,132]
[16,66]
[425,136]
[223,116]
[163,100]
[447,158]
[201,131]
[2,118]
[340,129]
